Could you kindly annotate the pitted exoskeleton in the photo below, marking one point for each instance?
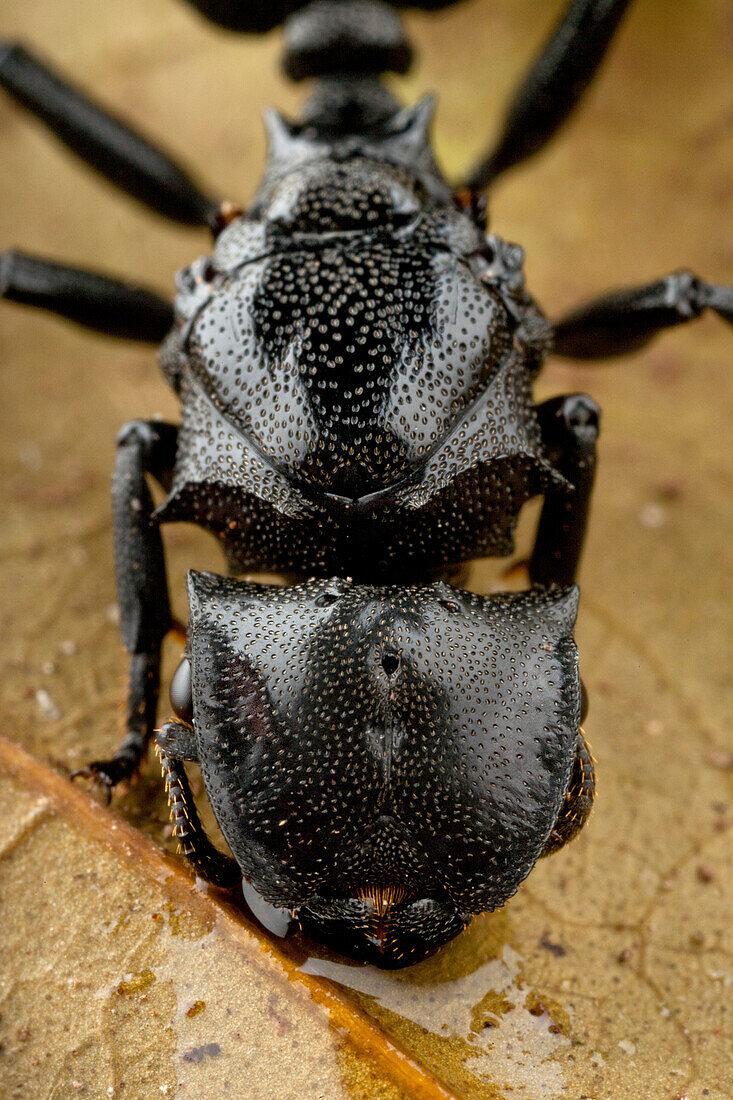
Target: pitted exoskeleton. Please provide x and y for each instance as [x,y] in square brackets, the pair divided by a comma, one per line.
[355,363]
[384,761]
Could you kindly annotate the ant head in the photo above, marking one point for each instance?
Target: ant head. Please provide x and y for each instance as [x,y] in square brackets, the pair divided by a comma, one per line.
[383,761]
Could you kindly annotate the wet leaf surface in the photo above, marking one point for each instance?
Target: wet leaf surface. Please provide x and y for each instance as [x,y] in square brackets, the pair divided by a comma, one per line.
[609,974]
[128,979]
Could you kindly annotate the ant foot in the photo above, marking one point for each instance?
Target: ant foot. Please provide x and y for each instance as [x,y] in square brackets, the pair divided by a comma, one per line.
[106,774]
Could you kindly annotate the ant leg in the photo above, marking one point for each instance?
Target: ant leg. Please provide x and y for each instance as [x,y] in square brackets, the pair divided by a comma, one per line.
[85,297]
[104,142]
[578,802]
[206,860]
[570,427]
[625,320]
[553,85]
[143,447]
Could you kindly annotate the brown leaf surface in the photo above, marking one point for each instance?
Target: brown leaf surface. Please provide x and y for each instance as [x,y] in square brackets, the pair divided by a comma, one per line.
[610,973]
[152,984]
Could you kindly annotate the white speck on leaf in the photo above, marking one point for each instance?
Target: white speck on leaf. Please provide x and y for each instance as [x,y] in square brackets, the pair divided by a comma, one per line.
[47,707]
[651,515]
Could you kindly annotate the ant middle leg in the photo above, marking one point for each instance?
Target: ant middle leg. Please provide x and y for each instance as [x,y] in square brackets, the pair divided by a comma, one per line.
[87,298]
[570,427]
[143,447]
[625,320]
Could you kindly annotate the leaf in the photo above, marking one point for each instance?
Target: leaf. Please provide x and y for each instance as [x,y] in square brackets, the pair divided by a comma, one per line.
[164,985]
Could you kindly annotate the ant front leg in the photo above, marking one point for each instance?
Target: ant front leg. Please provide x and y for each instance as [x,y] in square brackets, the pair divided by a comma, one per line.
[578,801]
[570,427]
[176,743]
[143,447]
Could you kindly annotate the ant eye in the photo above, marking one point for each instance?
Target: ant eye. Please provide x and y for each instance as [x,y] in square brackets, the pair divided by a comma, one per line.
[209,272]
[180,693]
